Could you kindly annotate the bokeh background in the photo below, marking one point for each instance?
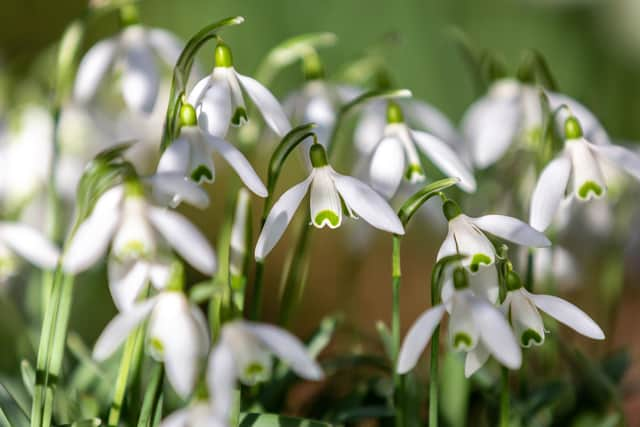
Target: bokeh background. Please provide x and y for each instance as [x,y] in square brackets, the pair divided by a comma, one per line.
[592,47]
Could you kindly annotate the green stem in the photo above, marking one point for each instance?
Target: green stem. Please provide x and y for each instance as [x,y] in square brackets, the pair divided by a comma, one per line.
[152,395]
[433,378]
[396,278]
[530,273]
[128,356]
[256,303]
[504,398]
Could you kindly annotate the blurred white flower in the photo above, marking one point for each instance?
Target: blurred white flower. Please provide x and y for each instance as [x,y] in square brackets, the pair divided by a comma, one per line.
[135,52]
[580,159]
[392,149]
[219,101]
[177,335]
[330,192]
[197,414]
[474,323]
[512,110]
[467,236]
[243,353]
[27,242]
[191,154]
[123,219]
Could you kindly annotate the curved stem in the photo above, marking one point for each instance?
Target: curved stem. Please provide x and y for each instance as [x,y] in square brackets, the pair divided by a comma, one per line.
[504,398]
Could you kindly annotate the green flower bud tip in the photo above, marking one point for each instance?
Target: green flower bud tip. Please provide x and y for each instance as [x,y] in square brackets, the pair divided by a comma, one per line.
[188,115]
[318,156]
[460,279]
[572,128]
[223,57]
[394,113]
[312,67]
[450,209]
[133,188]
[513,281]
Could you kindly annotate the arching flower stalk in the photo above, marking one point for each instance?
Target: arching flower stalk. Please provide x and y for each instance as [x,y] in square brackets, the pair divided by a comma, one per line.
[219,102]
[331,193]
[581,160]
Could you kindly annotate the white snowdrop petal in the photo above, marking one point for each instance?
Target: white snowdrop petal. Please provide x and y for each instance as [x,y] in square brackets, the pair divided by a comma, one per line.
[214,107]
[485,283]
[475,360]
[30,244]
[185,238]
[326,207]
[198,91]
[627,160]
[279,218]
[512,230]
[549,192]
[93,67]
[370,128]
[387,167]
[178,418]
[568,314]
[496,334]
[119,329]
[166,45]
[526,321]
[418,337]
[239,163]
[140,79]
[221,378]
[126,280]
[448,246]
[588,181]
[429,118]
[267,104]
[367,204]
[463,330]
[176,158]
[177,188]
[288,348]
[445,159]
[470,241]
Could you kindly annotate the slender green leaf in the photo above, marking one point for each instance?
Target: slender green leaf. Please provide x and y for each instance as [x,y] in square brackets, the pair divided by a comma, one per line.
[413,203]
[274,420]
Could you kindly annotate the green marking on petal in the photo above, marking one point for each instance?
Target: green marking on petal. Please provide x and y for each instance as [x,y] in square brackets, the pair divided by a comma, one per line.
[133,249]
[530,337]
[462,340]
[329,216]
[156,346]
[239,117]
[477,260]
[254,370]
[201,173]
[588,187]
[394,113]
[414,173]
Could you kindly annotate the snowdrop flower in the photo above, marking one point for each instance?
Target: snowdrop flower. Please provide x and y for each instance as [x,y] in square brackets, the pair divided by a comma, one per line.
[467,236]
[582,161]
[395,155]
[177,335]
[521,308]
[123,219]
[512,110]
[16,238]
[191,154]
[219,102]
[329,192]
[134,52]
[198,414]
[243,353]
[473,323]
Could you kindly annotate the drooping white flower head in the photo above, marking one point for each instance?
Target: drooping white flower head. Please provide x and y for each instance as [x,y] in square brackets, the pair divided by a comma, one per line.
[134,52]
[473,323]
[243,353]
[28,243]
[191,154]
[125,221]
[522,309]
[467,236]
[393,147]
[512,110]
[177,335]
[577,168]
[219,101]
[330,192]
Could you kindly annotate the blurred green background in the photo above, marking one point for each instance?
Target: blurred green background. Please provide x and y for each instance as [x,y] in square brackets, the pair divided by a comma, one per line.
[592,47]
